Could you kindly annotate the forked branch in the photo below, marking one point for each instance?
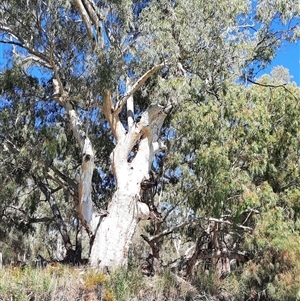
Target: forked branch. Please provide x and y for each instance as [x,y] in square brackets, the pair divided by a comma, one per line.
[116,126]
[136,86]
[92,19]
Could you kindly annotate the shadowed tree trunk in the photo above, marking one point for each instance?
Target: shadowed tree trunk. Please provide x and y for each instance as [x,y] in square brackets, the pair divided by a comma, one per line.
[56,213]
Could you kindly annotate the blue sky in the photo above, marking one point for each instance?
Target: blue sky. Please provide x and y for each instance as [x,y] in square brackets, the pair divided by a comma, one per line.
[289,57]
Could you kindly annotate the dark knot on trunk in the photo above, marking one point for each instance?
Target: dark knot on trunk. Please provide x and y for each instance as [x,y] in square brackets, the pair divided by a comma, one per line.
[87,157]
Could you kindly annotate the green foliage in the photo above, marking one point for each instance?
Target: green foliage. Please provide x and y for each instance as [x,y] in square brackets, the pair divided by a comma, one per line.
[275,266]
[233,150]
[238,155]
[23,285]
[247,139]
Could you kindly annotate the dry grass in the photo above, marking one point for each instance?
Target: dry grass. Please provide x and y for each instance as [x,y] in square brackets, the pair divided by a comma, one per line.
[59,283]
[63,283]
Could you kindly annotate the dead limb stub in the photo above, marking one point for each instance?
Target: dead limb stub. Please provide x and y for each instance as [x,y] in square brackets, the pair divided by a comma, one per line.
[154,244]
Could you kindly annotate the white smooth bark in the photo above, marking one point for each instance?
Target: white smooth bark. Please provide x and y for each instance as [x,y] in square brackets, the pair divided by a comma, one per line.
[113,237]
[85,206]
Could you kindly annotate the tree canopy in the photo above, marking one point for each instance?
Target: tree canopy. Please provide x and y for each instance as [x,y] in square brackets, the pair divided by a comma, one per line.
[113,112]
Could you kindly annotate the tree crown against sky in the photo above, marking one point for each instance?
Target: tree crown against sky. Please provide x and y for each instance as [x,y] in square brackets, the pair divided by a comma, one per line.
[131,37]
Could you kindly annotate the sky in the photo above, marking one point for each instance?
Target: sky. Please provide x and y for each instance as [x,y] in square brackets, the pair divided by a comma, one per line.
[289,57]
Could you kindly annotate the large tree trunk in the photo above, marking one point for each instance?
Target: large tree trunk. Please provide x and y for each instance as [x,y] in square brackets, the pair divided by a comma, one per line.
[131,163]
[113,238]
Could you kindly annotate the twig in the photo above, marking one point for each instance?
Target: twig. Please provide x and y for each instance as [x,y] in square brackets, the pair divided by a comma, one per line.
[272,86]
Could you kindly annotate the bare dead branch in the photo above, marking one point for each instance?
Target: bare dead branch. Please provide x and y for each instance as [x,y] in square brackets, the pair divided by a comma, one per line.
[61,185]
[189,222]
[40,220]
[68,180]
[221,221]
[56,212]
[250,213]
[167,231]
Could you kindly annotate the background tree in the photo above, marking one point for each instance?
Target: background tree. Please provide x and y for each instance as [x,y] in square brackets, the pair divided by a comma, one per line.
[235,166]
[104,76]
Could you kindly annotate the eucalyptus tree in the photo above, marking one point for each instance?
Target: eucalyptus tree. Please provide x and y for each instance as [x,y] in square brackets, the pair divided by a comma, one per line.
[111,72]
[239,179]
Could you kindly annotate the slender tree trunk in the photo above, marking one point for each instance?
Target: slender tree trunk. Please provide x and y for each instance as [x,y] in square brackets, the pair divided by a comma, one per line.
[56,214]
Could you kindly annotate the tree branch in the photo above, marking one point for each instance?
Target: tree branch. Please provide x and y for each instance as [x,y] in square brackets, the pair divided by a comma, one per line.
[73,190]
[93,12]
[136,86]
[56,212]
[221,221]
[68,180]
[40,220]
[96,18]
[189,222]
[271,86]
[38,57]
[76,125]
[166,232]
[86,18]
[38,60]
[130,106]
[112,117]
[266,85]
